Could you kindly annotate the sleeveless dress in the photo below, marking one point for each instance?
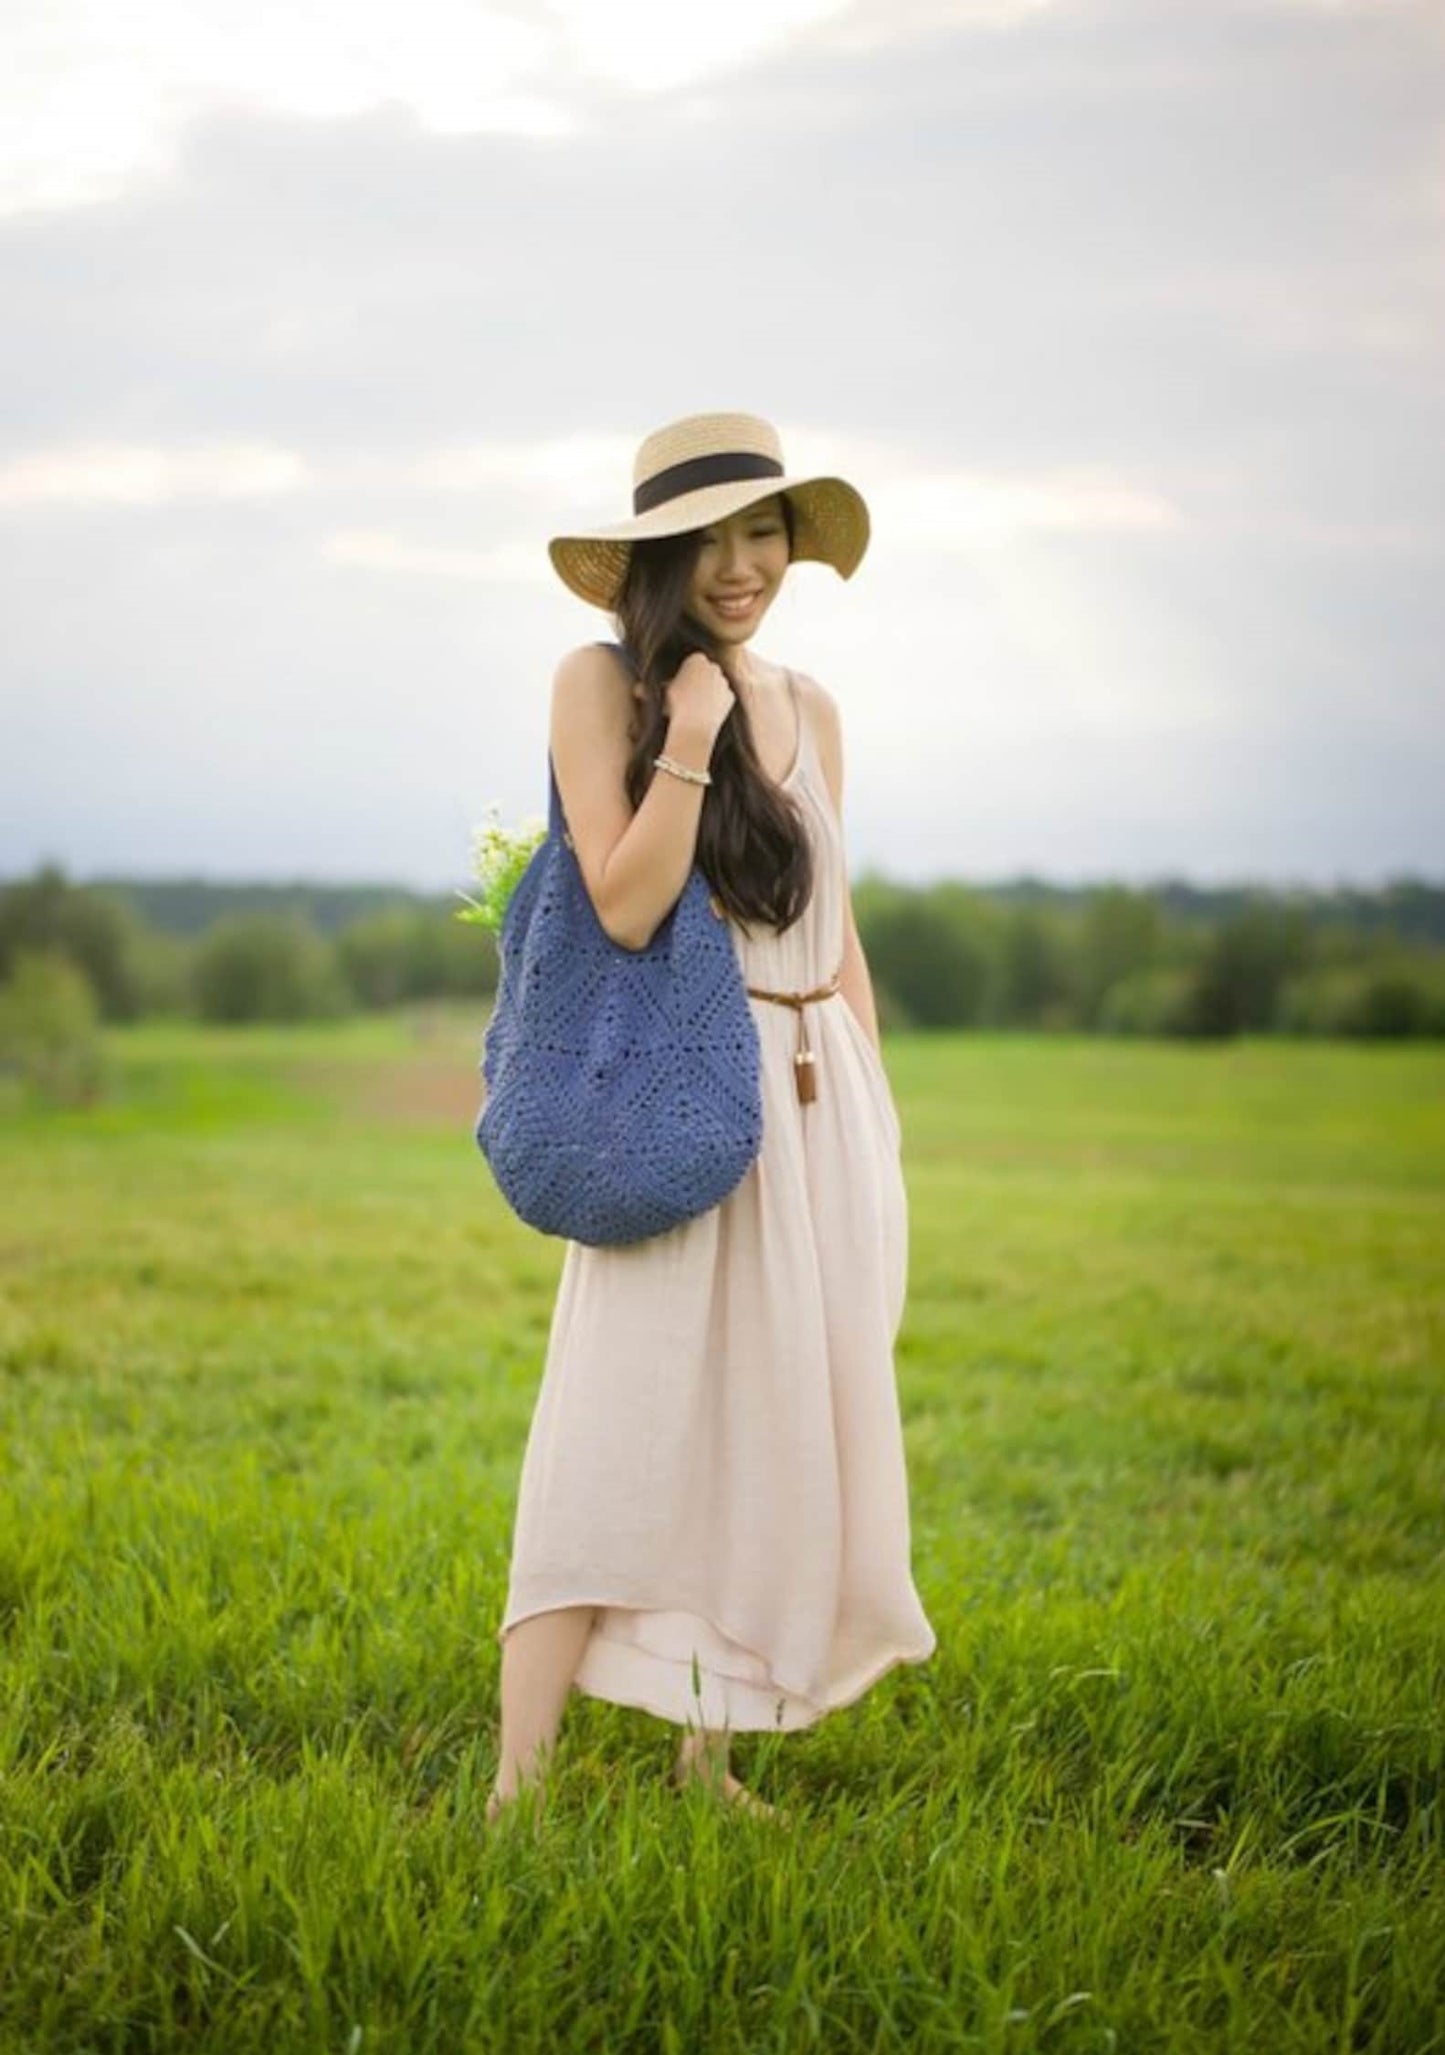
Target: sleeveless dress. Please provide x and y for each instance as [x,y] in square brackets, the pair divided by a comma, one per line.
[716,1458]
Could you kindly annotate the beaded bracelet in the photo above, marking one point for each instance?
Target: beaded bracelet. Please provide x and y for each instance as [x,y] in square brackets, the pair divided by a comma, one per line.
[682,770]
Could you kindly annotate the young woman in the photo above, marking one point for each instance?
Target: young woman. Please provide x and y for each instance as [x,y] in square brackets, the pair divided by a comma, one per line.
[712,1520]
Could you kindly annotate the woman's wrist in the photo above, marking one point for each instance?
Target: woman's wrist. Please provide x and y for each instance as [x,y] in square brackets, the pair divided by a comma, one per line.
[690,744]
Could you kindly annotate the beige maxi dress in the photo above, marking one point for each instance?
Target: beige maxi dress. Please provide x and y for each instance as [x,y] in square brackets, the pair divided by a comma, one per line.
[716,1455]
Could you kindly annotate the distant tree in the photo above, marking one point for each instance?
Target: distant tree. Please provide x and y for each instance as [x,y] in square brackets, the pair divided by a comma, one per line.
[1243,966]
[1149,1002]
[1031,970]
[50,1027]
[94,929]
[160,967]
[414,953]
[1389,999]
[1121,932]
[1396,1001]
[260,967]
[380,958]
[932,951]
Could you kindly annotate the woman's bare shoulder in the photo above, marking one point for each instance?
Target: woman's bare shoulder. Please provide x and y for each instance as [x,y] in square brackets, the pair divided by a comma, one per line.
[815,693]
[593,688]
[596,661]
[818,703]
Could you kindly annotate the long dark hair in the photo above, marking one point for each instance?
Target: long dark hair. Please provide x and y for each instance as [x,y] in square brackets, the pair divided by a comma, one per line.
[752,845]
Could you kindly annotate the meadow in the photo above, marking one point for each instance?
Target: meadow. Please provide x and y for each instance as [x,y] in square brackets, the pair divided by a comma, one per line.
[1173,1381]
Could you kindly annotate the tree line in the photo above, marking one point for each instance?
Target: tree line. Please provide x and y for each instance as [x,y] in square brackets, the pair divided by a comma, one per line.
[1111,959]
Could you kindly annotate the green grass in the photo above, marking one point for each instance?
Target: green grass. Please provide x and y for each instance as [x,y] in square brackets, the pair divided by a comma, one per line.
[1172,1380]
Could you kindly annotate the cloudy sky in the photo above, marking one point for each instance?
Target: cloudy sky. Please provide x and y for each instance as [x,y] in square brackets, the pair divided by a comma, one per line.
[1126,316]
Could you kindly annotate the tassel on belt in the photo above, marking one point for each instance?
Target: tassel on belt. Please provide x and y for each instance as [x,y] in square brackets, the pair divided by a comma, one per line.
[804,1061]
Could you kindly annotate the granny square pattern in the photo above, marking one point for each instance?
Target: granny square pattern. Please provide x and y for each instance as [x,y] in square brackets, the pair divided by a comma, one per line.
[623,1093]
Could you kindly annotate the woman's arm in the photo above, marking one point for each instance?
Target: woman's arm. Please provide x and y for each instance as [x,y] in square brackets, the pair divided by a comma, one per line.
[634,864]
[854,980]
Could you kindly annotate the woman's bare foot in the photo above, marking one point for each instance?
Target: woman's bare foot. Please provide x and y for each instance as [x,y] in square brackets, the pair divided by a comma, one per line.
[708,1765]
[500,1803]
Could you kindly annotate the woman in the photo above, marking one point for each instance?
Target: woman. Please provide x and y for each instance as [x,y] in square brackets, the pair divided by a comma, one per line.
[712,1520]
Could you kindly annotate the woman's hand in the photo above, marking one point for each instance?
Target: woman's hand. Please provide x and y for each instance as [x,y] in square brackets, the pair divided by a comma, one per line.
[699,698]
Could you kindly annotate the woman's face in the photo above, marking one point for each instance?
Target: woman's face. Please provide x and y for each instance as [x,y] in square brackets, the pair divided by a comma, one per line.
[744,557]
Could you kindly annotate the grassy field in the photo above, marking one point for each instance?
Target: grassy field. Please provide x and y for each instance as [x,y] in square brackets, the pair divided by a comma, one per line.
[1172,1374]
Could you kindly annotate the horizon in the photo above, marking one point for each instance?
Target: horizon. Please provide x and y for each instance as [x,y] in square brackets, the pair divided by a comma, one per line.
[1162,881]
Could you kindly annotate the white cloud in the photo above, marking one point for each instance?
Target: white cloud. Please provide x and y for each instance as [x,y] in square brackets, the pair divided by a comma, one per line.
[376,550]
[133,475]
[962,510]
[1372,316]
[1365,7]
[567,469]
[870,24]
[583,478]
[93,98]
[654,48]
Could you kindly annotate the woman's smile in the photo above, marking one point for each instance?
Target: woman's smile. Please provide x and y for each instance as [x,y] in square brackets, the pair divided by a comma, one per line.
[751,544]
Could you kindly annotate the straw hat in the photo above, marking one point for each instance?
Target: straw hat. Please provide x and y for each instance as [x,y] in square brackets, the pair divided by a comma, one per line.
[699,470]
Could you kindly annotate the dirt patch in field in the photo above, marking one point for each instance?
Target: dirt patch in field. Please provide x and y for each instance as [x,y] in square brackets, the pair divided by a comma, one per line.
[410,1091]
[421,1093]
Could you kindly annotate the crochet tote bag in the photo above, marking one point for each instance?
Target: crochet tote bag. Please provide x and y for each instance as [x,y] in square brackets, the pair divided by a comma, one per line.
[623,1092]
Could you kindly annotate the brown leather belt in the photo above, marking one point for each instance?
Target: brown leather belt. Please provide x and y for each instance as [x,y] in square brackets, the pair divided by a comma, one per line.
[804,1061]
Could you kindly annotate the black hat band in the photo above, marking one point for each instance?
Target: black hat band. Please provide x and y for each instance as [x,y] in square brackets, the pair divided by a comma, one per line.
[721,469]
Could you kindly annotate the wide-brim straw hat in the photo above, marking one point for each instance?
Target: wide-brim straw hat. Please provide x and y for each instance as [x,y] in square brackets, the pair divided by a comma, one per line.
[699,470]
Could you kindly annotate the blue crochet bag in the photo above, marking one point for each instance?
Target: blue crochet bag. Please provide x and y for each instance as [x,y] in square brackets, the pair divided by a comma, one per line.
[623,1092]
